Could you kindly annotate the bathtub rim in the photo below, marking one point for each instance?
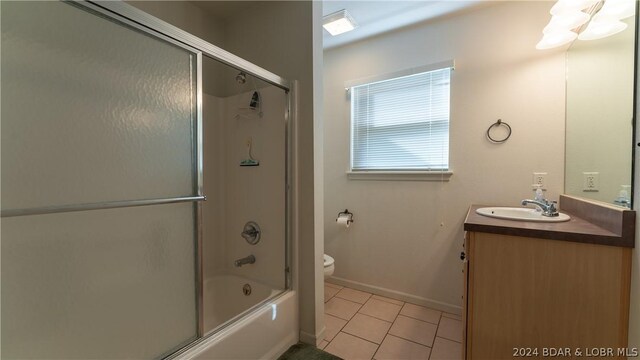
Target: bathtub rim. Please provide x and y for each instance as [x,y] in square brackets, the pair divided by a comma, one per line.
[219,331]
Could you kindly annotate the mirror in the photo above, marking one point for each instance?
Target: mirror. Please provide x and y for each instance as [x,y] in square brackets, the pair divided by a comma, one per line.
[599,123]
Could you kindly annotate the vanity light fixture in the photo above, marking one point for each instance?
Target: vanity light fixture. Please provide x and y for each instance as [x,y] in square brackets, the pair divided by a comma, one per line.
[620,9]
[601,27]
[338,22]
[556,38]
[569,16]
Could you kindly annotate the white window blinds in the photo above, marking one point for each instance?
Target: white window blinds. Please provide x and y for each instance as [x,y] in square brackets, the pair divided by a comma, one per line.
[401,123]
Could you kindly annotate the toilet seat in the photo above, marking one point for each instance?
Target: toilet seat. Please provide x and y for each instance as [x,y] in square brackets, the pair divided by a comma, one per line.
[328,260]
[329,266]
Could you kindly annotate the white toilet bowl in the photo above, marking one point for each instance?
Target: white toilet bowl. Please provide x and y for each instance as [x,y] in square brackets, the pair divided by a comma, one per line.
[329,266]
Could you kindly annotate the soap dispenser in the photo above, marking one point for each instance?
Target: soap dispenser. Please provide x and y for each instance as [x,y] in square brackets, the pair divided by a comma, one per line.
[623,199]
[539,194]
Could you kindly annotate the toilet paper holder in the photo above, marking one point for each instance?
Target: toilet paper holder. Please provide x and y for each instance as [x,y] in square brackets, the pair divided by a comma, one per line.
[346,214]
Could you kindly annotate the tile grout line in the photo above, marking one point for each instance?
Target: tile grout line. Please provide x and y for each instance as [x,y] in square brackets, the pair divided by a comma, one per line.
[411,341]
[383,339]
[444,338]
[392,322]
[340,297]
[346,333]
[332,296]
[339,331]
[434,336]
[354,314]
[385,334]
[400,337]
[347,323]
[382,298]
[415,342]
[428,322]
[457,317]
[375,317]
[361,338]
[357,312]
[371,316]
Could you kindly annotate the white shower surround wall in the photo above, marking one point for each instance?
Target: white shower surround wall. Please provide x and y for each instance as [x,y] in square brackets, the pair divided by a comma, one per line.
[238,194]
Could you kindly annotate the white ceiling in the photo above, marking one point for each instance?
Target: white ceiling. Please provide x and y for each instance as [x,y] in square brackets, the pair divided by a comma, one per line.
[376,16]
[373,16]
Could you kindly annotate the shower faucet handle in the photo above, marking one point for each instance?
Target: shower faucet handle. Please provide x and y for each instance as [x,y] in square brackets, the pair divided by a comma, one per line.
[251,232]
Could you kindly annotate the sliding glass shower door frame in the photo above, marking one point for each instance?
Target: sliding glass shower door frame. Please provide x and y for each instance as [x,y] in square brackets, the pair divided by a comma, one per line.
[134,17]
[190,194]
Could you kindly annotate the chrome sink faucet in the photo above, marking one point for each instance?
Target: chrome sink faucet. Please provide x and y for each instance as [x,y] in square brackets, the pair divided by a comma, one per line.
[245,260]
[548,207]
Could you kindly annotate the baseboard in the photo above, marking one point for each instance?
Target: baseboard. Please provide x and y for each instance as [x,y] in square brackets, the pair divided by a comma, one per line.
[282,347]
[308,338]
[398,295]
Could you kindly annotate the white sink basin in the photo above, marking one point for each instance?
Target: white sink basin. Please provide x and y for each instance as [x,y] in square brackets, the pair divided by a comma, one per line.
[522,214]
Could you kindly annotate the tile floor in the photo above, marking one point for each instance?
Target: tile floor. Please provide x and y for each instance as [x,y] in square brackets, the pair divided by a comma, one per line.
[361,325]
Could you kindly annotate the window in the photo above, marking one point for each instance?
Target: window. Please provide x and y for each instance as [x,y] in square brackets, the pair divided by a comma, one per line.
[401,122]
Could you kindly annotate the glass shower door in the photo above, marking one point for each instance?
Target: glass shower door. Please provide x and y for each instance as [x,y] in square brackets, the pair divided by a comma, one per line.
[100,184]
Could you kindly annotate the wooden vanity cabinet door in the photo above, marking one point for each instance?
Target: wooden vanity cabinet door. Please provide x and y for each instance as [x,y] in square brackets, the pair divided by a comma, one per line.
[536,293]
[465,293]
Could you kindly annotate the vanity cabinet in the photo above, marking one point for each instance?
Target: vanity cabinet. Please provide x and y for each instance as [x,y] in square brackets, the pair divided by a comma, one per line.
[528,293]
[525,295]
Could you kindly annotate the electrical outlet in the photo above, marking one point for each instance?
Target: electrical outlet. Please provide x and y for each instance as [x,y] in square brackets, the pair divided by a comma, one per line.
[539,178]
[590,181]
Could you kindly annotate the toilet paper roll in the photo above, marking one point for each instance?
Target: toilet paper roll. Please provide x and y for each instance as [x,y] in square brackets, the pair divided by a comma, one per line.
[343,219]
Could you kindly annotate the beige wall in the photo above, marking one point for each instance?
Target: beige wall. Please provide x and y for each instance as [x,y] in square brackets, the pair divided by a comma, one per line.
[408,234]
[187,16]
[634,311]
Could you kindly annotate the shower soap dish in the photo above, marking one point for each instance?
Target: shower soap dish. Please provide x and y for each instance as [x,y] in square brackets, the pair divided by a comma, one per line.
[255,107]
[249,161]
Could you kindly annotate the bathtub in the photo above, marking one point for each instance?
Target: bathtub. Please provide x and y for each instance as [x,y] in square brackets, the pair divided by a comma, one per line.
[261,333]
[224,298]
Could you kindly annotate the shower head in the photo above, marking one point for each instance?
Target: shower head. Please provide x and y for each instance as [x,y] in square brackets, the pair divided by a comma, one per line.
[241,78]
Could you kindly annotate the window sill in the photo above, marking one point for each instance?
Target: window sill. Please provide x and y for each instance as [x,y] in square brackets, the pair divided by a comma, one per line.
[400,175]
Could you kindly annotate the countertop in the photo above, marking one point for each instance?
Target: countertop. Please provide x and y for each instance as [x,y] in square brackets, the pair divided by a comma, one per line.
[577,229]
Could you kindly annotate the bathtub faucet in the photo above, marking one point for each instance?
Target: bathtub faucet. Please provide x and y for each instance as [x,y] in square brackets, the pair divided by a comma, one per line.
[245,260]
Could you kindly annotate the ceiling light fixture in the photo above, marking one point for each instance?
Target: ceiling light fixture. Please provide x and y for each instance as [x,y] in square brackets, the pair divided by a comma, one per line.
[569,17]
[338,22]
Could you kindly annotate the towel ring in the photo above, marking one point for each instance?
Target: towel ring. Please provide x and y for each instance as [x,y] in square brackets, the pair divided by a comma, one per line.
[496,124]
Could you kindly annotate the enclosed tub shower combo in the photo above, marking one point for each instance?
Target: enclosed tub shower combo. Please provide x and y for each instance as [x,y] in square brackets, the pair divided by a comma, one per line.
[145,190]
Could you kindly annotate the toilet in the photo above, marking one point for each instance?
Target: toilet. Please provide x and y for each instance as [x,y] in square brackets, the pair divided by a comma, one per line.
[329,266]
